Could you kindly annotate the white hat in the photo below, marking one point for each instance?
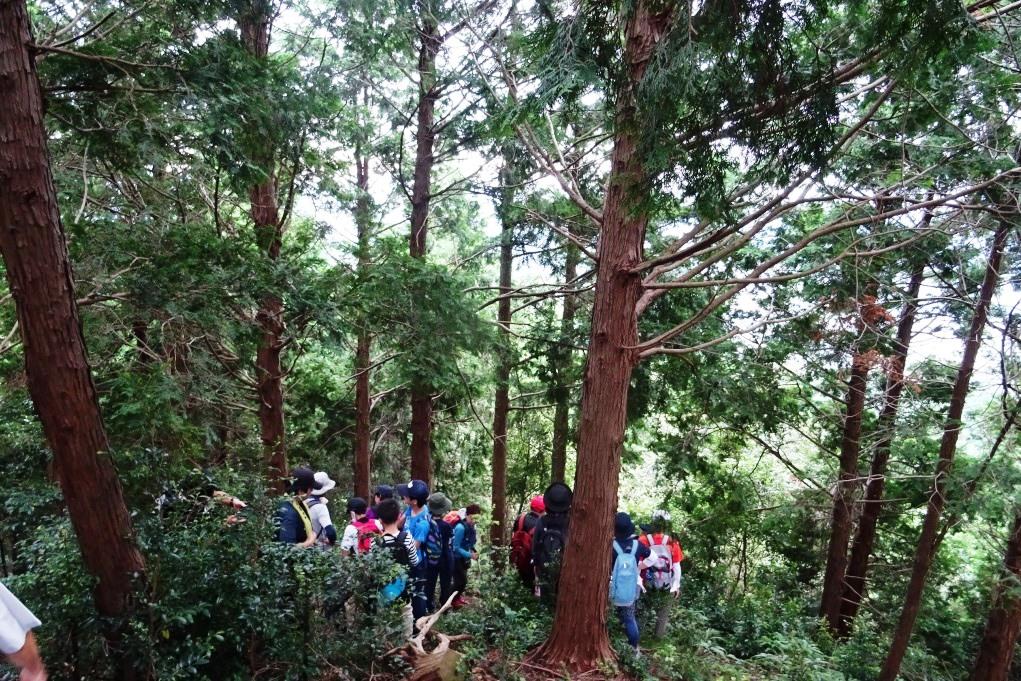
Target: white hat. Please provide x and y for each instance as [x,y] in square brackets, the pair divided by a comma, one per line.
[325,484]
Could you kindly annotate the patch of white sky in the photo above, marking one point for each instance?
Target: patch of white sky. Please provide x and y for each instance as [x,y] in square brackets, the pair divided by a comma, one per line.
[936,338]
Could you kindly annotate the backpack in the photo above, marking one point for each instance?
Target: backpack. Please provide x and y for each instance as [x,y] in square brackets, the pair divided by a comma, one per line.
[661,574]
[367,531]
[521,544]
[553,543]
[433,544]
[624,579]
[395,545]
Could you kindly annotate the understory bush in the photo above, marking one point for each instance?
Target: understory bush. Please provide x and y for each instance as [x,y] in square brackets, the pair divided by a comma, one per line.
[222,601]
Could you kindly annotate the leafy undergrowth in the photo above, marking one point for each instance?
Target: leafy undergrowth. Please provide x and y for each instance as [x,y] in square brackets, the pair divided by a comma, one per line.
[735,641]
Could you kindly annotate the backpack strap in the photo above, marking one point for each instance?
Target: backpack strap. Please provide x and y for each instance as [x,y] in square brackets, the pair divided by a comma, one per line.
[634,548]
[617,548]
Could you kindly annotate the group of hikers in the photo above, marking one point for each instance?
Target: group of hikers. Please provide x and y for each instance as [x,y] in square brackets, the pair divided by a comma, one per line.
[644,558]
[436,544]
[423,533]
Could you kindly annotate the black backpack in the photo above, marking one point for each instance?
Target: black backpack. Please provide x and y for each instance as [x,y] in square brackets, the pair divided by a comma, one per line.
[395,544]
[554,538]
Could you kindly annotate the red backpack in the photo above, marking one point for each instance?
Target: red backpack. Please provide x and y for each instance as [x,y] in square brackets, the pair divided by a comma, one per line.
[521,543]
[368,530]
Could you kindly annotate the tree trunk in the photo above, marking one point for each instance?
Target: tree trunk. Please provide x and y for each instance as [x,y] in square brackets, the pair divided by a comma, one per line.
[864,540]
[498,529]
[255,33]
[579,640]
[996,651]
[925,551]
[562,372]
[843,495]
[59,378]
[421,195]
[363,358]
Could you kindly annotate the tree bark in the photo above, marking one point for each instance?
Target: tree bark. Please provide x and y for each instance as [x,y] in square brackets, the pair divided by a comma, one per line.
[562,372]
[843,495]
[59,378]
[254,26]
[864,540]
[363,359]
[579,640]
[501,407]
[421,196]
[925,551]
[996,651]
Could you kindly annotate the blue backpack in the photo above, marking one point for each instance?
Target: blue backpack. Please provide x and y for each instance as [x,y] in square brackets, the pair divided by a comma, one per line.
[433,544]
[624,579]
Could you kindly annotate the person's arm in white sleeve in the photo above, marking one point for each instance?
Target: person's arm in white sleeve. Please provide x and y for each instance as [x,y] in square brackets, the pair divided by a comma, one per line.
[675,587]
[350,540]
[16,640]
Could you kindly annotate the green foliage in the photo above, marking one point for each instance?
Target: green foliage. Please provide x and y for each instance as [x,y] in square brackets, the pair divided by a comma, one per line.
[214,590]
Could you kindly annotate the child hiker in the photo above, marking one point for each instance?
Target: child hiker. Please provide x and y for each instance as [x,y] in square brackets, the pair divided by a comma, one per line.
[463,543]
[404,552]
[664,574]
[626,576]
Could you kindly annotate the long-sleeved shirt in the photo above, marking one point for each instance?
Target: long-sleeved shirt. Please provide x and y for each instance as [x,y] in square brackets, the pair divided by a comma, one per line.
[322,524]
[15,622]
[391,542]
[676,556]
[463,541]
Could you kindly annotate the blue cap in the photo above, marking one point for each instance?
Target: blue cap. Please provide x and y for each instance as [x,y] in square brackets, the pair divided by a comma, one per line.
[416,489]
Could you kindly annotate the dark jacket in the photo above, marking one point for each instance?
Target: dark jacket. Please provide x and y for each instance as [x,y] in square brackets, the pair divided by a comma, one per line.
[556,522]
[290,528]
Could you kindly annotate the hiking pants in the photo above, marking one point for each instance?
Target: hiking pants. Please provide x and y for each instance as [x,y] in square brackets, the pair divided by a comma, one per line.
[417,579]
[626,615]
[439,573]
[461,575]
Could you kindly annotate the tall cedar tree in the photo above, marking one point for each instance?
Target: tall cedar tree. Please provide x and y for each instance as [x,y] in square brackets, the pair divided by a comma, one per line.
[996,651]
[843,495]
[926,549]
[254,25]
[501,406]
[363,359]
[563,358]
[430,41]
[579,637]
[865,535]
[59,378]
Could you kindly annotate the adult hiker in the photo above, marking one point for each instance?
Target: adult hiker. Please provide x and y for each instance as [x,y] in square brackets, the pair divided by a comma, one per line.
[664,574]
[382,492]
[629,556]
[294,526]
[549,540]
[417,522]
[463,543]
[322,525]
[439,568]
[402,549]
[521,540]
[17,642]
[194,494]
[360,531]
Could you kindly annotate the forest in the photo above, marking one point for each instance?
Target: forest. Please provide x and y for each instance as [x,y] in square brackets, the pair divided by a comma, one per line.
[748,269]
